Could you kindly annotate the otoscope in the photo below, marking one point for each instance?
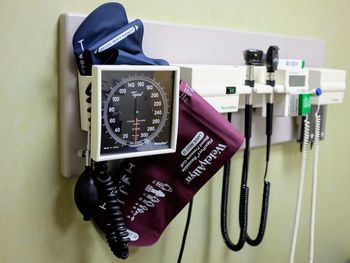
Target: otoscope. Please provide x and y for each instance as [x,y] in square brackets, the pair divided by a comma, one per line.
[271,61]
[252,57]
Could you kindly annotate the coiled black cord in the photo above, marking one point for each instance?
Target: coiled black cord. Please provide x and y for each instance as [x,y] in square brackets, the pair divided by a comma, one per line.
[243,211]
[263,217]
[244,192]
[87,194]
[243,208]
[266,192]
[116,232]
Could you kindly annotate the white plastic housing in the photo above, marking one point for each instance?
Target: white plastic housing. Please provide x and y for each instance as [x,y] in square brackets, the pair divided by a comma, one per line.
[284,77]
[294,82]
[211,81]
[83,82]
[96,118]
[261,90]
[260,79]
[331,81]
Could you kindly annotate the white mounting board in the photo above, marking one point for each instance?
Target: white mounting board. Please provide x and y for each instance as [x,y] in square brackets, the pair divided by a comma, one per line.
[179,44]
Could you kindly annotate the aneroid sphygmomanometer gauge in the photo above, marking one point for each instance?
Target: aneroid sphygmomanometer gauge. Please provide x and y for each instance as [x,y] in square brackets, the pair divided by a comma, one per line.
[134,111]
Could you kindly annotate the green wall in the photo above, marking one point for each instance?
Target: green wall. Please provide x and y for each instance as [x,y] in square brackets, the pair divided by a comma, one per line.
[38,219]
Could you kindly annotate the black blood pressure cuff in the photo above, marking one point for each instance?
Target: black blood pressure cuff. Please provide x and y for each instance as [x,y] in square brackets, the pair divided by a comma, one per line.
[106,37]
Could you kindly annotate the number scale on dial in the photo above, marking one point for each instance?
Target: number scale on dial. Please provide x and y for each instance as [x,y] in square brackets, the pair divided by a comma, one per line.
[136,110]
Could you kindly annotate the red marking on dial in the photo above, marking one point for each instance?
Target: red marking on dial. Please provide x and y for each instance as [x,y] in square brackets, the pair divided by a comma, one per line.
[136,123]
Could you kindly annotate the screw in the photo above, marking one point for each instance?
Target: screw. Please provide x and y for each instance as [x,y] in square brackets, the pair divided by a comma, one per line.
[81,153]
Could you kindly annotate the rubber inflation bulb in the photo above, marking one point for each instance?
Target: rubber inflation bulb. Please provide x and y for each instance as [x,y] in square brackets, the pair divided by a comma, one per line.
[86,194]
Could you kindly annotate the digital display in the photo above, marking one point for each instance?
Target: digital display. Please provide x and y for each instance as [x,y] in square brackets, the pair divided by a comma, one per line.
[297,81]
[136,111]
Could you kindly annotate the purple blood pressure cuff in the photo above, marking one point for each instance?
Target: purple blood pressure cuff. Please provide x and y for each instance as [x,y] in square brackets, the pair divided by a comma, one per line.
[106,37]
[154,189]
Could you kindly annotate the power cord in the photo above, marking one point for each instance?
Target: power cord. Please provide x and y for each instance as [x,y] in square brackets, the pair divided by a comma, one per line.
[266,191]
[314,183]
[184,237]
[305,150]
[243,216]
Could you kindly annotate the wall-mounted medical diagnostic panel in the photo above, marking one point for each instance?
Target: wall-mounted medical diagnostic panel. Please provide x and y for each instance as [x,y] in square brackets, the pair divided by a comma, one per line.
[172,42]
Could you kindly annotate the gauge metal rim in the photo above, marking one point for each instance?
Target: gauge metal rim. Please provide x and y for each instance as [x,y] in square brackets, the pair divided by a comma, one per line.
[162,121]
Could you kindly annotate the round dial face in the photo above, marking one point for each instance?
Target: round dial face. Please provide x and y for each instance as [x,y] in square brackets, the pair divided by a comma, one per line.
[135,110]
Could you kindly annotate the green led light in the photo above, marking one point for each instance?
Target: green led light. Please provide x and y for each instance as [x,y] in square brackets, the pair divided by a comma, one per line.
[230,90]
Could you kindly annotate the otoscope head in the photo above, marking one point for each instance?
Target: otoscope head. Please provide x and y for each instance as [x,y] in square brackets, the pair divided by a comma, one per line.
[253,57]
[272,58]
